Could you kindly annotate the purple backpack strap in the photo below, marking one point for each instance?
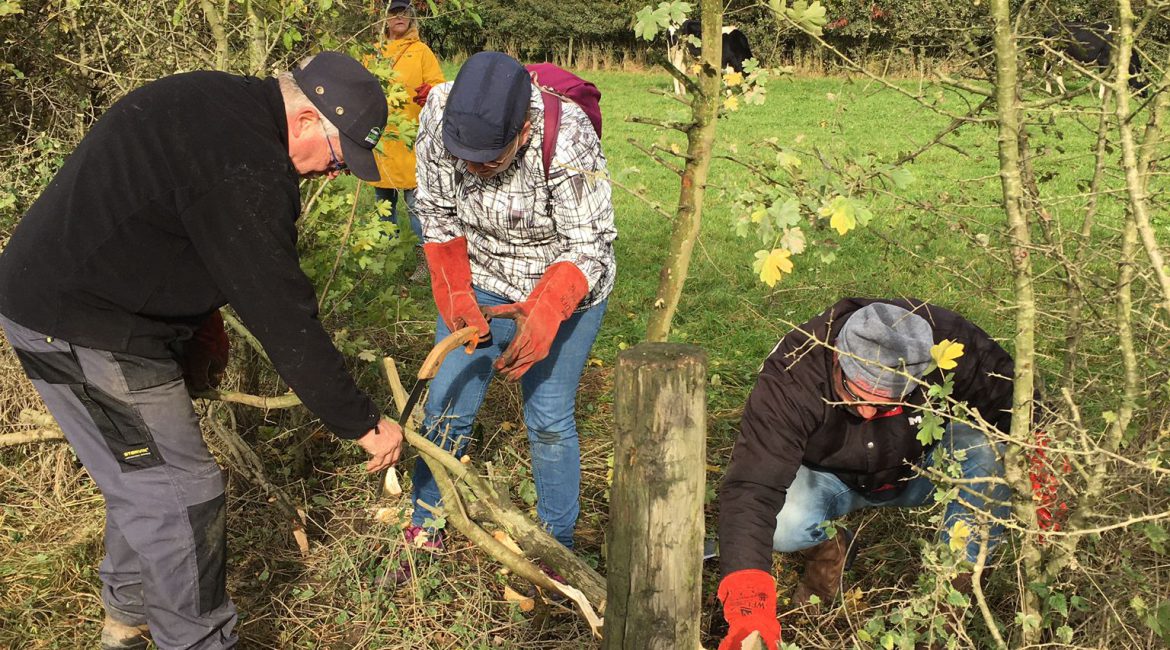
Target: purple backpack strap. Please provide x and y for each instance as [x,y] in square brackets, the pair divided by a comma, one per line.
[552,126]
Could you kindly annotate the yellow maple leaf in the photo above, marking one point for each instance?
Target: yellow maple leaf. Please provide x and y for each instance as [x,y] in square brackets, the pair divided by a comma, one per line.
[731,103]
[853,596]
[733,79]
[758,216]
[960,533]
[840,214]
[945,352]
[775,266]
[787,160]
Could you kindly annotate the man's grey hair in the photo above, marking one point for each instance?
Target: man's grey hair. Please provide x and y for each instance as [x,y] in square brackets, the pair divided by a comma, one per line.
[296,100]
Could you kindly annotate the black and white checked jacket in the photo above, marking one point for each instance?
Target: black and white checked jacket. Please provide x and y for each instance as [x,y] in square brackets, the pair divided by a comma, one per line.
[517,224]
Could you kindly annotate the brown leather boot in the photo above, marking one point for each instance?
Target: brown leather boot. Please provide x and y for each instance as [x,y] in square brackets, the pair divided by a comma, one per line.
[823,566]
[119,636]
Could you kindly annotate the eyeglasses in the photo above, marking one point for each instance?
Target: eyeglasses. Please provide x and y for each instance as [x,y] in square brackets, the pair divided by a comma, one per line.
[854,397]
[334,164]
[504,157]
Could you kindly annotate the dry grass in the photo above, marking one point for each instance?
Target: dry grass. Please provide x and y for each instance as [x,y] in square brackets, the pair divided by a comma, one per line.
[52,521]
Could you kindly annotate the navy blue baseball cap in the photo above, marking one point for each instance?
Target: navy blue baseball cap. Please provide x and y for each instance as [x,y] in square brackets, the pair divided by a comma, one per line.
[351,99]
[487,107]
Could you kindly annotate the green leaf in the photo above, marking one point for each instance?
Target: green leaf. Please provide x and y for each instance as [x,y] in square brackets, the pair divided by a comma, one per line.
[645,24]
[808,17]
[1058,603]
[931,429]
[743,226]
[1028,621]
[786,214]
[1157,537]
[901,177]
[1065,634]
[677,11]
[957,599]
[527,491]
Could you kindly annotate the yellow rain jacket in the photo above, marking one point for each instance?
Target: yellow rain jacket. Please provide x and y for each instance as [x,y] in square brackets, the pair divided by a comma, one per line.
[415,64]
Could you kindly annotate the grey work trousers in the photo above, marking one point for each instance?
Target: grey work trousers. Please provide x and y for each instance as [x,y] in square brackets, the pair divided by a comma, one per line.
[131,422]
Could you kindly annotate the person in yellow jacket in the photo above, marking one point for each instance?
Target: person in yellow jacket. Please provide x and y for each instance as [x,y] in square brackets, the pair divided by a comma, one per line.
[418,70]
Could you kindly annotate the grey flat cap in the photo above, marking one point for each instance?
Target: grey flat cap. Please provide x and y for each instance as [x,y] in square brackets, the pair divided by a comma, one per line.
[885,341]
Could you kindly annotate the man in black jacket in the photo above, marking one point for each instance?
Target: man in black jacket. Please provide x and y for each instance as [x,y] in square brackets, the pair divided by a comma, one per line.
[182,198]
[832,426]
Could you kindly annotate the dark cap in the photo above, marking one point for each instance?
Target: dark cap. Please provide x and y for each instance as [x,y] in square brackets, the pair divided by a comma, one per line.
[487,107]
[351,99]
[401,4]
[881,344]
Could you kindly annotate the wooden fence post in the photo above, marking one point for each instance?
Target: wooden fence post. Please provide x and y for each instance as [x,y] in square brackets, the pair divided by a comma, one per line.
[655,544]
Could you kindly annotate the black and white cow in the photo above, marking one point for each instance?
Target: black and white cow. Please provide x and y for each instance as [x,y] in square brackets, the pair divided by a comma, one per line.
[1091,45]
[736,49]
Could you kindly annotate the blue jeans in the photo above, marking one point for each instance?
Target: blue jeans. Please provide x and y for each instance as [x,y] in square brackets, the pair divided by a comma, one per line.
[550,395]
[391,195]
[816,496]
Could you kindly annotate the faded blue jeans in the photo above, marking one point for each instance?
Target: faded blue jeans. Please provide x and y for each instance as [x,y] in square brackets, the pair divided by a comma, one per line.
[816,496]
[550,394]
[391,195]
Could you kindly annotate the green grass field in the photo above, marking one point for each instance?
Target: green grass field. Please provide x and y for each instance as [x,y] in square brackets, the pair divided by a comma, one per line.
[919,244]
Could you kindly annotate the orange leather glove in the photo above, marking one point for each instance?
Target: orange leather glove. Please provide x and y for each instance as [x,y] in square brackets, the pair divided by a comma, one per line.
[421,93]
[553,300]
[205,357]
[451,285]
[749,605]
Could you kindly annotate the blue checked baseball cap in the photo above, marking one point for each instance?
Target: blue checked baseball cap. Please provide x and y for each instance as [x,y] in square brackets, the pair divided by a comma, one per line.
[884,343]
[487,107]
[351,99]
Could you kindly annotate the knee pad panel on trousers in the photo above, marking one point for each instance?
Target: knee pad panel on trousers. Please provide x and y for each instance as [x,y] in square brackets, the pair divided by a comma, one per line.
[209,525]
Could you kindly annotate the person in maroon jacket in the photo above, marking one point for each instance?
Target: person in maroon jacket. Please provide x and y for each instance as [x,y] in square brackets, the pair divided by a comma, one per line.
[832,427]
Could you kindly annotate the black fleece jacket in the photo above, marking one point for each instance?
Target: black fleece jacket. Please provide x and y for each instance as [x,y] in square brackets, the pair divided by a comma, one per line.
[180,199]
[790,420]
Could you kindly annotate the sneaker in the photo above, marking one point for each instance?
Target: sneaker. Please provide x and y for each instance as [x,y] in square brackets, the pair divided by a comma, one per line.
[119,636]
[419,538]
[555,596]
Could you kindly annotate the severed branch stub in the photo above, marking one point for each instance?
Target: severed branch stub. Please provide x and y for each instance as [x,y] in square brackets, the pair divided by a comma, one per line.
[470,503]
